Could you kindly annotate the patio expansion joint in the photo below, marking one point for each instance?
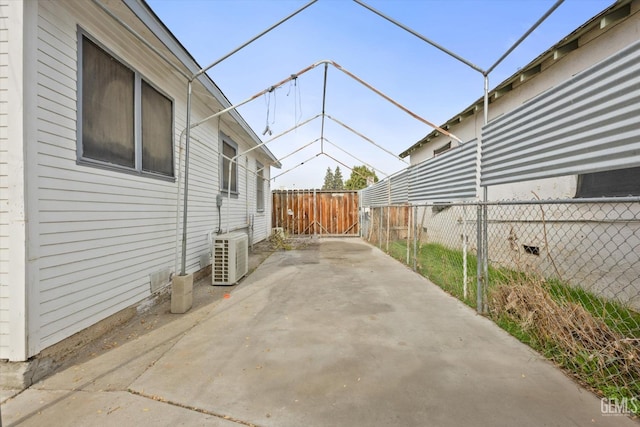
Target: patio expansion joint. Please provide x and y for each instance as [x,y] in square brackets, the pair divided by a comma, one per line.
[192,408]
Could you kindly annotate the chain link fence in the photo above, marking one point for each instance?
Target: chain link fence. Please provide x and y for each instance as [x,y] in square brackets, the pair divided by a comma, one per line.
[562,276]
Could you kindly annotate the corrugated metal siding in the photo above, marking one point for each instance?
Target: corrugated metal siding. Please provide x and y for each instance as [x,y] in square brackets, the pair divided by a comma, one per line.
[400,187]
[587,124]
[449,176]
[4,191]
[364,196]
[378,194]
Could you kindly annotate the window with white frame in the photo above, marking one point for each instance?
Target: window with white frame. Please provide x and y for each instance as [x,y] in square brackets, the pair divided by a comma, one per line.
[259,187]
[228,150]
[124,122]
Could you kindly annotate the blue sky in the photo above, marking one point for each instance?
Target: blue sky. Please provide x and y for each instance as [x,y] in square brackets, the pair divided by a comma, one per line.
[417,75]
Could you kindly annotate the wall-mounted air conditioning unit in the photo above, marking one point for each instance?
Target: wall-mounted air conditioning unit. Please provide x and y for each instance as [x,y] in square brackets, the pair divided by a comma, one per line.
[229,258]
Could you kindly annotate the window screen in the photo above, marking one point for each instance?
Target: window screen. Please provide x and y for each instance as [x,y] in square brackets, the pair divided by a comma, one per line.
[229,152]
[259,187]
[157,126]
[615,183]
[124,120]
[107,107]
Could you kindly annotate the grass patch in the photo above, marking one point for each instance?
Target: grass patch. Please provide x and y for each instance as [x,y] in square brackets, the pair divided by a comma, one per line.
[594,339]
[444,267]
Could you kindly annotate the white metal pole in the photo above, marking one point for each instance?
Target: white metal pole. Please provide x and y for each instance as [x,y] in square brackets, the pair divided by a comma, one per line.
[186,182]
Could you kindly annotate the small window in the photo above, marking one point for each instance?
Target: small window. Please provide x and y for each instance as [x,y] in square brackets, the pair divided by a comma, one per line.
[124,122]
[259,187]
[442,149]
[437,208]
[614,183]
[229,151]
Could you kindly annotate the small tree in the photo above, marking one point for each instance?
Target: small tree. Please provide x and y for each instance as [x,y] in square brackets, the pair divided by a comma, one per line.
[337,179]
[358,178]
[328,180]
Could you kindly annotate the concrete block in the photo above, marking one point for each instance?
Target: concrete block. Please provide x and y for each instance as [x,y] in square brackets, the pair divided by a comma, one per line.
[181,293]
[181,304]
[16,375]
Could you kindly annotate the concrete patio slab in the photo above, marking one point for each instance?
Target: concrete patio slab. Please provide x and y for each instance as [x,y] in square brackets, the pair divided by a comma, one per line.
[335,333]
[340,334]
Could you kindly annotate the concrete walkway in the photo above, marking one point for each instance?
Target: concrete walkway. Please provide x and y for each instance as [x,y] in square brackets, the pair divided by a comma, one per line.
[337,334]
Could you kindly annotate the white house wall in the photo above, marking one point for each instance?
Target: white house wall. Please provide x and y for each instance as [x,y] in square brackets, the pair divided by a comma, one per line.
[18,241]
[12,180]
[100,234]
[4,179]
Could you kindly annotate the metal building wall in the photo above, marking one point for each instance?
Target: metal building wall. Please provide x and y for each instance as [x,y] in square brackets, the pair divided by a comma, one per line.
[378,194]
[587,124]
[400,187]
[449,176]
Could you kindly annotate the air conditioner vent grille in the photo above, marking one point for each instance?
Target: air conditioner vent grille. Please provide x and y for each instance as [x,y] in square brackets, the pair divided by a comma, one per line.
[230,258]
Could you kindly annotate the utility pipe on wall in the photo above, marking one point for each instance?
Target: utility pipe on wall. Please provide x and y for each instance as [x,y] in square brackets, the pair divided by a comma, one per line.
[183,263]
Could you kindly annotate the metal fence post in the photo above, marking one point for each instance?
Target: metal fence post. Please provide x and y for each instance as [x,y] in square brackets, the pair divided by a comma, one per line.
[415,238]
[409,219]
[388,225]
[485,253]
[480,257]
[380,228]
[465,240]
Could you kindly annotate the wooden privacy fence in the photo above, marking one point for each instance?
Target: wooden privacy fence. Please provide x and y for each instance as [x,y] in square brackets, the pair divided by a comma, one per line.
[387,223]
[316,212]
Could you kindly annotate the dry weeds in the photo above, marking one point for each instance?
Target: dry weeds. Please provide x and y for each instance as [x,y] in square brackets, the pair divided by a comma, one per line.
[571,335]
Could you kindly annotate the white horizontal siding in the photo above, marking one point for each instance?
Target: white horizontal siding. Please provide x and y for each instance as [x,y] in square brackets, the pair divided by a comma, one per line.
[102,232]
[4,190]
[202,212]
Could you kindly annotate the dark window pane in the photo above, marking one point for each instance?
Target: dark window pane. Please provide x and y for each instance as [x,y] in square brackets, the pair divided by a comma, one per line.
[229,152]
[260,187]
[107,107]
[157,128]
[615,183]
[442,149]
